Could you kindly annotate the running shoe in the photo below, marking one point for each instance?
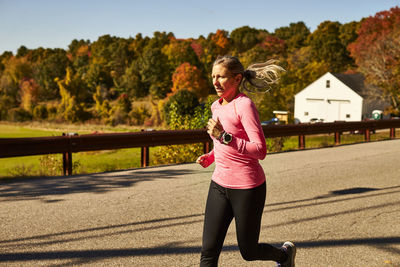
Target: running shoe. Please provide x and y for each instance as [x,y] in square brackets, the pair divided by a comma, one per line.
[290,250]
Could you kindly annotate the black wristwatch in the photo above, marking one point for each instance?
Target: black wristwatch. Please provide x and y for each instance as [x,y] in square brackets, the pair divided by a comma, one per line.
[226,138]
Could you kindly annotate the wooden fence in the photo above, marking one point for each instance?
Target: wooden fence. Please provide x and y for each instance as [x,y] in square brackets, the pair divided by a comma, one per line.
[70,143]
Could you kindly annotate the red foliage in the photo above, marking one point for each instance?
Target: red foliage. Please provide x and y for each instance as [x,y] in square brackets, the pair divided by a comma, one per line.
[373,29]
[197,48]
[273,44]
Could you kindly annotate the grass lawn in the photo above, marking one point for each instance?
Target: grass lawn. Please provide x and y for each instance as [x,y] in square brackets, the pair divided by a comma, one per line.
[84,162]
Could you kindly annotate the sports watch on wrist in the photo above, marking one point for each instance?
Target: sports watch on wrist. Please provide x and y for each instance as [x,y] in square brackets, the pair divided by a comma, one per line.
[226,138]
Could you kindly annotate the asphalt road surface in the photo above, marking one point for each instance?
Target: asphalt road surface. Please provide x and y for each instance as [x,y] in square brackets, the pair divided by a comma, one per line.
[340,205]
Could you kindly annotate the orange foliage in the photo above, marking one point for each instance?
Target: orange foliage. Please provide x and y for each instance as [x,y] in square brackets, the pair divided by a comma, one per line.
[221,40]
[189,77]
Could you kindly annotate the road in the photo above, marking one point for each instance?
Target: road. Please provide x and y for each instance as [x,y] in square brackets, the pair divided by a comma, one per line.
[340,205]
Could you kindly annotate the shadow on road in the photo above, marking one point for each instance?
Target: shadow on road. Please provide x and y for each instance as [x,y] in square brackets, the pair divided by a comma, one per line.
[176,249]
[94,183]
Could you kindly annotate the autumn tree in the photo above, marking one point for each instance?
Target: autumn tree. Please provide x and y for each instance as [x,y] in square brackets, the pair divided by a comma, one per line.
[377,53]
[29,93]
[79,55]
[190,78]
[216,44]
[270,47]
[16,70]
[221,42]
[74,95]
[180,51]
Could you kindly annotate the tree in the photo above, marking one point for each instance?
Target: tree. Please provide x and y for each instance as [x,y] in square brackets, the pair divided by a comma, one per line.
[155,71]
[74,95]
[29,92]
[221,42]
[244,38]
[3,59]
[109,58]
[79,55]
[15,71]
[270,47]
[22,51]
[295,35]
[326,46]
[180,51]
[51,65]
[132,83]
[190,78]
[377,53]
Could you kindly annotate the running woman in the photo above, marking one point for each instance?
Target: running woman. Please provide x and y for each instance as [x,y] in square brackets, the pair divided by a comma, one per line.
[238,187]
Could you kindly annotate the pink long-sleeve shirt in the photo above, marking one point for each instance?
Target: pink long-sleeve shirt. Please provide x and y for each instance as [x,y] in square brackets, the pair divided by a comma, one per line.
[236,164]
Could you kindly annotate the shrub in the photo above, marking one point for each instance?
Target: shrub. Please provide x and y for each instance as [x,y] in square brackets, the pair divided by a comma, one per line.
[138,115]
[188,152]
[51,112]
[19,115]
[276,144]
[51,165]
[40,112]
[185,103]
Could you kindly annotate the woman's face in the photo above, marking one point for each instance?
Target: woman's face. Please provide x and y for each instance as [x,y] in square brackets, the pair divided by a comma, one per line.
[226,85]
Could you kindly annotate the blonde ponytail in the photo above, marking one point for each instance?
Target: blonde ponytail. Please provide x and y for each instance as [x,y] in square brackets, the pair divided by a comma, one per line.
[257,77]
[261,76]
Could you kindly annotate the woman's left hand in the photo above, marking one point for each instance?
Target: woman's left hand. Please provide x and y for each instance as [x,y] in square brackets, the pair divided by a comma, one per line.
[214,128]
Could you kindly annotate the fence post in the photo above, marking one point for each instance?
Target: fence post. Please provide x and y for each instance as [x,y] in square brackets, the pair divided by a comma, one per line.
[144,151]
[337,138]
[67,163]
[302,141]
[367,135]
[145,154]
[392,133]
[206,147]
[67,156]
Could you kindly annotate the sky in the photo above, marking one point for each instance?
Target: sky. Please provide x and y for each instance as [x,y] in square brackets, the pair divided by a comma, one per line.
[55,23]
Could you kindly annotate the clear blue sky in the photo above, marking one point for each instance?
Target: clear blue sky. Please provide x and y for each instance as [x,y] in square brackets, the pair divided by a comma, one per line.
[55,23]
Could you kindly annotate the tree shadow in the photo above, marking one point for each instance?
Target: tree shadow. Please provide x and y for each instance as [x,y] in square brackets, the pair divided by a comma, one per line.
[26,189]
[332,197]
[175,248]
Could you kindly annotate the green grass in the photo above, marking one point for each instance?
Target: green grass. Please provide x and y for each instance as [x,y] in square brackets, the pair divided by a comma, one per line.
[101,161]
[326,140]
[84,162]
[9,131]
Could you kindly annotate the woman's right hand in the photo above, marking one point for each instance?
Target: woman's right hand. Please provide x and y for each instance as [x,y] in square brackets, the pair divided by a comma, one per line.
[203,160]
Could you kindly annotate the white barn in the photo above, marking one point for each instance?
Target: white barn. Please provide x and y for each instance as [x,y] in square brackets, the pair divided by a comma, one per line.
[337,97]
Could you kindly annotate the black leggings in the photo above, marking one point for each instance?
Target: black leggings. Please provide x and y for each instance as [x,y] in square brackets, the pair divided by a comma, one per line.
[246,206]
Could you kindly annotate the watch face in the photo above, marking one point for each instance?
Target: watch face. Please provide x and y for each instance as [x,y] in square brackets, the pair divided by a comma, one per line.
[227,138]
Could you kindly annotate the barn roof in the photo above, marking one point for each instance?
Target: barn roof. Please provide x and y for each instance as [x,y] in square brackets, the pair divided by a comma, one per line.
[354,81]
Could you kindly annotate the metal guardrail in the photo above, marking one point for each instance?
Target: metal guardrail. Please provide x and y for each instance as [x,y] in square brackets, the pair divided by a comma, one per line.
[70,143]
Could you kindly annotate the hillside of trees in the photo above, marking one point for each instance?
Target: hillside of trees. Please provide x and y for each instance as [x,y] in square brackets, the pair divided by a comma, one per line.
[135,81]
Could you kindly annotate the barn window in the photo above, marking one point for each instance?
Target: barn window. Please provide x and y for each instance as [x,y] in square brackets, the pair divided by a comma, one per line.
[328,83]
[306,113]
[348,116]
